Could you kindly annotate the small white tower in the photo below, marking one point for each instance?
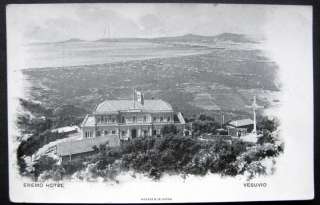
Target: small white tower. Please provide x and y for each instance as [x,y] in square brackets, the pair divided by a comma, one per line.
[254,107]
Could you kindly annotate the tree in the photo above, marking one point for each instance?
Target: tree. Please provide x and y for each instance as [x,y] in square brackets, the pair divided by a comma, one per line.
[207,126]
[35,108]
[203,117]
[44,163]
[68,115]
[169,129]
[71,167]
[266,138]
[268,124]
[155,173]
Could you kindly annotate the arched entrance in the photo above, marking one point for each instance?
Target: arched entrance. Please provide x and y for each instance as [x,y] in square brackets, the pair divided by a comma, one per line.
[133,133]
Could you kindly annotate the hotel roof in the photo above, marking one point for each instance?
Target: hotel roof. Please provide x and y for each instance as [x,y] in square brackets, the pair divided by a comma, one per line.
[85,145]
[89,121]
[240,123]
[127,105]
[66,129]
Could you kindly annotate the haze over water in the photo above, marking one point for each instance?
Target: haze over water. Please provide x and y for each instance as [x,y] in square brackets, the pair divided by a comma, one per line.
[95,52]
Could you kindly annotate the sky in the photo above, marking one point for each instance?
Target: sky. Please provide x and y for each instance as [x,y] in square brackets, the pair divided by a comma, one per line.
[56,22]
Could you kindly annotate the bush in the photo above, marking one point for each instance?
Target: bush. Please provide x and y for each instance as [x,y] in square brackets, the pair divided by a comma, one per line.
[66,115]
[250,161]
[56,174]
[268,124]
[203,117]
[205,125]
[44,163]
[35,108]
[21,164]
[169,130]
[71,167]
[37,121]
[255,168]
[107,158]
[155,173]
[33,143]
[266,137]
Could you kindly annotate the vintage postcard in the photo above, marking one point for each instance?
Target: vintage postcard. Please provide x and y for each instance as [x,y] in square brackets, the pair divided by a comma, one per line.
[159,103]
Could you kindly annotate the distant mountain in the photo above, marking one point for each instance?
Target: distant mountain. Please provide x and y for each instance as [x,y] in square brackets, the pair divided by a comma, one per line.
[239,38]
[121,39]
[184,37]
[236,38]
[231,37]
[71,40]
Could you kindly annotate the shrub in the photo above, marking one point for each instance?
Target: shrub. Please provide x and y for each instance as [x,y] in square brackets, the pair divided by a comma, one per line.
[169,129]
[204,126]
[35,108]
[255,168]
[266,137]
[107,156]
[71,167]
[21,164]
[250,161]
[155,173]
[197,166]
[203,117]
[44,163]
[33,143]
[66,115]
[268,124]
[58,173]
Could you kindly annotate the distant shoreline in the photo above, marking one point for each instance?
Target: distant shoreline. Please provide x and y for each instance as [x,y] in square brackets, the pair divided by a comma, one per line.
[84,66]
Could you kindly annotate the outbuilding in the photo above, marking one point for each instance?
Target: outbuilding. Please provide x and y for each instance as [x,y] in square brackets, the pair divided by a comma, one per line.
[238,128]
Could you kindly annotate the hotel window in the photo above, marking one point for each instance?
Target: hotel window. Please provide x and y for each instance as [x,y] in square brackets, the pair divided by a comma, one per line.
[154,119]
[144,118]
[113,132]
[98,133]
[106,132]
[88,134]
[134,119]
[113,120]
[123,133]
[161,119]
[122,119]
[145,132]
[168,119]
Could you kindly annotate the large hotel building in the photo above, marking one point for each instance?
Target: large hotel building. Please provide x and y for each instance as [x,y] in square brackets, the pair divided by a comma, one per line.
[128,119]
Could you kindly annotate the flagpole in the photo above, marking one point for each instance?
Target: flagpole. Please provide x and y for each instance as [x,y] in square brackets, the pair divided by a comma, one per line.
[134,100]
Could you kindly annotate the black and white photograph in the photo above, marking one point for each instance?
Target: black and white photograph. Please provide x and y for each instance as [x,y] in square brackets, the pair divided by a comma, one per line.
[159,102]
